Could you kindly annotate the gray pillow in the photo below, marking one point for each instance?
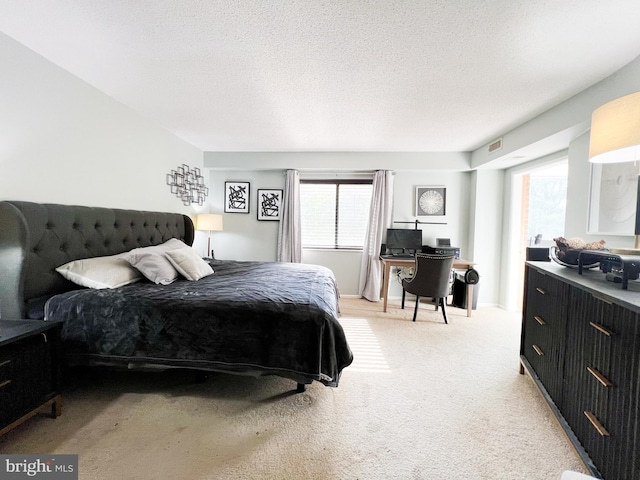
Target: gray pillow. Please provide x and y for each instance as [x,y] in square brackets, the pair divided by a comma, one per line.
[152,262]
[189,263]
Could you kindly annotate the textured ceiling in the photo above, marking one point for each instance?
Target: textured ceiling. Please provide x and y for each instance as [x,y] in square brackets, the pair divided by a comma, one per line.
[339,75]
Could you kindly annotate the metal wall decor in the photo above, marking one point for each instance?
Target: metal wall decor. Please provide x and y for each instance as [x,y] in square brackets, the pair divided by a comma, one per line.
[188,185]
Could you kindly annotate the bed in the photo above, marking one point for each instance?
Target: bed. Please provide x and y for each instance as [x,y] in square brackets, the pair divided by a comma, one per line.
[254,318]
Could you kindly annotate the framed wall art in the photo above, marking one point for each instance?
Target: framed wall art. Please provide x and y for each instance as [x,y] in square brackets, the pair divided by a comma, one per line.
[236,197]
[431,201]
[612,198]
[269,204]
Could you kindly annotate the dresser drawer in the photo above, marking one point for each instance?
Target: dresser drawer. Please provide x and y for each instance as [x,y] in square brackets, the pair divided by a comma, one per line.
[594,326]
[542,293]
[6,365]
[605,431]
[601,372]
[543,329]
[539,345]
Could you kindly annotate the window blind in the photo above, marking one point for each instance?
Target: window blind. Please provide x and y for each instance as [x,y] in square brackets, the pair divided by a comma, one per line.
[334,213]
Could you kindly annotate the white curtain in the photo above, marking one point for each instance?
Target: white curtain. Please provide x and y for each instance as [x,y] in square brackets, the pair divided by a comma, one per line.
[289,237]
[380,217]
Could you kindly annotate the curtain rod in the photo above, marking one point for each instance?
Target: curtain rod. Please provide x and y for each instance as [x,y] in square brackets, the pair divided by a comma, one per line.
[336,173]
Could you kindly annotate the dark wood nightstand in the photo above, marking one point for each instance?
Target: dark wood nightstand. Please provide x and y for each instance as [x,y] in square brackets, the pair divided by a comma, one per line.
[29,370]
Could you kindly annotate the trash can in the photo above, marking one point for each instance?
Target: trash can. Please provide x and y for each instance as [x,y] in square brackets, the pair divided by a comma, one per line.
[460,282]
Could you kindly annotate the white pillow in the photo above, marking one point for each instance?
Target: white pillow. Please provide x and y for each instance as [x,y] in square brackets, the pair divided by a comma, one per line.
[100,272]
[153,264]
[189,263]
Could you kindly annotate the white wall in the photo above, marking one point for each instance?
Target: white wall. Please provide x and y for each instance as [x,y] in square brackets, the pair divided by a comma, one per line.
[486,222]
[575,112]
[562,128]
[246,238]
[556,128]
[458,210]
[331,161]
[578,197]
[63,141]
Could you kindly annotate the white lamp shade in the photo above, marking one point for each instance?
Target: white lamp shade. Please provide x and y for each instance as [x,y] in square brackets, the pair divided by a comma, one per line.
[615,131]
[209,221]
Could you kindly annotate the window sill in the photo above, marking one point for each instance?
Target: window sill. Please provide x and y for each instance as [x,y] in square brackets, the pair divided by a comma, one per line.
[328,249]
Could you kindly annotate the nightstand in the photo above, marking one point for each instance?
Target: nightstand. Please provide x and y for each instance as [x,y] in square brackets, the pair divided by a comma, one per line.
[29,370]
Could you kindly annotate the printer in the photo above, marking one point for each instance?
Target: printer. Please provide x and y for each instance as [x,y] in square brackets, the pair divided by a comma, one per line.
[442,250]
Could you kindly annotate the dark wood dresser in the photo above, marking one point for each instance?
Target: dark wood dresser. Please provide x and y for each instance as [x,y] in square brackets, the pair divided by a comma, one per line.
[580,344]
[29,370]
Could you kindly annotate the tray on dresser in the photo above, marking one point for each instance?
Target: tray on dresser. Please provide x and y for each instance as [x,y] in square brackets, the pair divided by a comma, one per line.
[622,267]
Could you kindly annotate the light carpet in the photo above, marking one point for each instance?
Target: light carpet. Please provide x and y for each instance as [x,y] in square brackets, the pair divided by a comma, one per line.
[422,400]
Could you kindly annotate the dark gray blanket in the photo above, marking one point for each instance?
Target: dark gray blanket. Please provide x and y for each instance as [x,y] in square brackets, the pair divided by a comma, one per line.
[248,317]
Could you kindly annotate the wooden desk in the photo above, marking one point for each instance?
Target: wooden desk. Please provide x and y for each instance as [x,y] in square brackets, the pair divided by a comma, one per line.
[388,262]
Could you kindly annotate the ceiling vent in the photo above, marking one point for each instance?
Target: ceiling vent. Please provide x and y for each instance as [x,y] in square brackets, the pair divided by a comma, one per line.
[495,145]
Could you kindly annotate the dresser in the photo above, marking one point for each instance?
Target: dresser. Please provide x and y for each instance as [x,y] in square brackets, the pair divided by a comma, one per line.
[29,370]
[580,343]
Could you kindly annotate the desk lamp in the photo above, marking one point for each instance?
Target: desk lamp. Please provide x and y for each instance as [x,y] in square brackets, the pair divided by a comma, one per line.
[615,138]
[210,222]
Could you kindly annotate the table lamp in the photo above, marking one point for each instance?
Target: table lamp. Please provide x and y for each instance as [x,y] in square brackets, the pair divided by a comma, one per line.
[210,222]
[615,138]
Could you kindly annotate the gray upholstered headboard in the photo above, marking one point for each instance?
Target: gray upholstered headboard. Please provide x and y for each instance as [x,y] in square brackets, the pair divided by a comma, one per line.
[36,238]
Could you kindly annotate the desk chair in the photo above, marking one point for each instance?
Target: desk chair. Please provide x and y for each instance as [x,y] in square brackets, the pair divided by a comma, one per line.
[431,279]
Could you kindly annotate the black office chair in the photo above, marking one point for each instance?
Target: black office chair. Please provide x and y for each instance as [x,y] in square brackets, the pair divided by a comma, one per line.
[431,279]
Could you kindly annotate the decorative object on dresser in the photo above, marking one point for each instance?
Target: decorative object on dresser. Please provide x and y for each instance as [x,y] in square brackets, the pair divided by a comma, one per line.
[618,268]
[188,185]
[236,197]
[538,254]
[209,222]
[29,370]
[580,346]
[566,252]
[269,204]
[615,139]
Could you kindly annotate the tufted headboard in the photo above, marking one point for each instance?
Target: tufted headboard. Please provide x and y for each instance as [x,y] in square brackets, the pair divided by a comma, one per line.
[36,238]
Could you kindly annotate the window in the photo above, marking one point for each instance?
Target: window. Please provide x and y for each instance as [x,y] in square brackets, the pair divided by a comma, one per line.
[334,213]
[547,202]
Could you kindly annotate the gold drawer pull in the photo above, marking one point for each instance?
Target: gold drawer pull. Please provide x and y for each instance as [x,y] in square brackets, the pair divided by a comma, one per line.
[538,350]
[541,290]
[602,299]
[599,376]
[540,320]
[596,424]
[5,383]
[601,329]
[6,362]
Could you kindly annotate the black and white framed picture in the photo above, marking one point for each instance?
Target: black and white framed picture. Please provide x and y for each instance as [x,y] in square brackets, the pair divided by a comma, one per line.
[431,201]
[236,197]
[269,204]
